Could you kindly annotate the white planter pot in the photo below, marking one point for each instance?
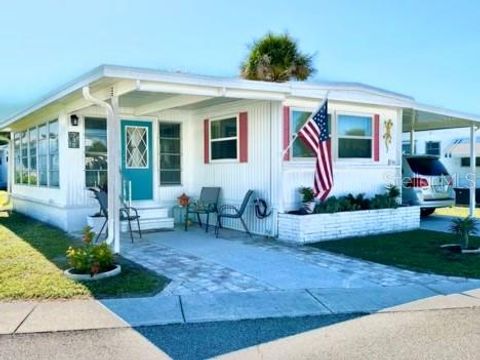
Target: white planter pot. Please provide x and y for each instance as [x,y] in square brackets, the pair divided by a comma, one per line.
[304,229]
[96,222]
[87,277]
[309,206]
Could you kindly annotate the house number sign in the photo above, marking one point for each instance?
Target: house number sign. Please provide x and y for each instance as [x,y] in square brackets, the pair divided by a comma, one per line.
[73,139]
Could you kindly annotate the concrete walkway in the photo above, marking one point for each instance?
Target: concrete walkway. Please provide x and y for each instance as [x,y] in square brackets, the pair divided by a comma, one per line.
[199,263]
[54,316]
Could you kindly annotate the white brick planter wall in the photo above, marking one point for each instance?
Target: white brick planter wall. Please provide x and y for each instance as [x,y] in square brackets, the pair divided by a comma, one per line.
[320,227]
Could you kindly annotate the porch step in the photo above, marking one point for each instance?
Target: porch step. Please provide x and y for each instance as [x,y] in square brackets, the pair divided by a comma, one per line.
[152,213]
[149,224]
[152,217]
[148,209]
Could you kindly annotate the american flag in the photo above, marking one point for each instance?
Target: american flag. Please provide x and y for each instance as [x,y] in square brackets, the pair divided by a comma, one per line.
[315,135]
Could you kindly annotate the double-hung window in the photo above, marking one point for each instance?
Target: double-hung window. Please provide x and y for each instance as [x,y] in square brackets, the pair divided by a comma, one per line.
[432,148]
[170,154]
[224,139]
[298,119]
[95,152]
[355,136]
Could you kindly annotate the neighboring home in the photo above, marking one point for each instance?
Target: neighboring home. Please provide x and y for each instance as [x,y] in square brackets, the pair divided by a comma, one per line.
[453,148]
[173,133]
[3,167]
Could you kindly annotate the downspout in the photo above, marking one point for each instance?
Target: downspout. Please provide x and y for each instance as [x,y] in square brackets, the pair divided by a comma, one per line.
[113,209]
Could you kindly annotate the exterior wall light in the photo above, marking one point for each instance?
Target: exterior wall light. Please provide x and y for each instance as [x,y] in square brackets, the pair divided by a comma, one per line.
[74,120]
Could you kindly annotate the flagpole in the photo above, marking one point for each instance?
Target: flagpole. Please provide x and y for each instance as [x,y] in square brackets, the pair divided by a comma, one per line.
[296,134]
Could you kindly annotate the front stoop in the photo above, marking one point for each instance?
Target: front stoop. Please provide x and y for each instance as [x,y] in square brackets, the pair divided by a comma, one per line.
[152,217]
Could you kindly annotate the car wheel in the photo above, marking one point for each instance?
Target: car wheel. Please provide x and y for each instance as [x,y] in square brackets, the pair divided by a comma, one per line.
[426,211]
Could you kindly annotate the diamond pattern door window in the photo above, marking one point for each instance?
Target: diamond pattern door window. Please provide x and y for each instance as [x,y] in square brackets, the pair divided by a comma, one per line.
[136,147]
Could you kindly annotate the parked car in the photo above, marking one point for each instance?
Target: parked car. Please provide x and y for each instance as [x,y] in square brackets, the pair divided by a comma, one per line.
[427,183]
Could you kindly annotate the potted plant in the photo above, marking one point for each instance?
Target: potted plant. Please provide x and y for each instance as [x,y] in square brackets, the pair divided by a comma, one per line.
[463,228]
[91,261]
[95,222]
[308,199]
[183,200]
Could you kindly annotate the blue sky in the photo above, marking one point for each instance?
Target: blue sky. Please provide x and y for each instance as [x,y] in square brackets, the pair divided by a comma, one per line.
[427,49]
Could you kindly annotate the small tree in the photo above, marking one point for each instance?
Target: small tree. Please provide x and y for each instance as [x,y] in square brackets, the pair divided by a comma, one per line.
[276,58]
[464,228]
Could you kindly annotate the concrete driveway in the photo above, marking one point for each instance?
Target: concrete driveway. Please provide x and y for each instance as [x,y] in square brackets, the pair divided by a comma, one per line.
[436,223]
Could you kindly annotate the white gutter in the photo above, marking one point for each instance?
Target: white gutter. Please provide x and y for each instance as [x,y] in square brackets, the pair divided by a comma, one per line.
[113,203]
[106,106]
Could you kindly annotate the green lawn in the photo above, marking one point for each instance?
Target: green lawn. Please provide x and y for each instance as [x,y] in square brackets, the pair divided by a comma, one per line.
[32,260]
[417,250]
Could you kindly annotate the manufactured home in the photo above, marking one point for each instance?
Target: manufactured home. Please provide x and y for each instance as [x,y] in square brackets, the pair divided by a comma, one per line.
[151,136]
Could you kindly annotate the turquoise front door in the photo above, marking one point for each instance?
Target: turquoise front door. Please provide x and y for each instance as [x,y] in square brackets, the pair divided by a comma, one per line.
[137,159]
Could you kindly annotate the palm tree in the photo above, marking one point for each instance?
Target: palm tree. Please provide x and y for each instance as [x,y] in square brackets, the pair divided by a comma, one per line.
[276,58]
[464,228]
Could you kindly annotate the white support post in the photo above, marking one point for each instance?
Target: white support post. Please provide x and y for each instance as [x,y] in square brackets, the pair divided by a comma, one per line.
[114,178]
[115,171]
[412,134]
[412,142]
[473,174]
[10,165]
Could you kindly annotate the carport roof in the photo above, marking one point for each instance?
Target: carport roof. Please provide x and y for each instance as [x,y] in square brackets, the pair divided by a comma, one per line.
[422,116]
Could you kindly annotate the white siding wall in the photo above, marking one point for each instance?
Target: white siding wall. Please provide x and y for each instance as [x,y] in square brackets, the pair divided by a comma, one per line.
[359,176]
[233,177]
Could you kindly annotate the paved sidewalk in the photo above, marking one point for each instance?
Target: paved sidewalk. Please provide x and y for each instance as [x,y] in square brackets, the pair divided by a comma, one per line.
[54,316]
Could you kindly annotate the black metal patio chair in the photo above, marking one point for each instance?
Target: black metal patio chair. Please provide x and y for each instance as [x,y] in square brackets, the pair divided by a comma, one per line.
[206,204]
[127,213]
[231,212]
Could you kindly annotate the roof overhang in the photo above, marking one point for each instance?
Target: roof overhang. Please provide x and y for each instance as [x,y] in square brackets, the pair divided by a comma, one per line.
[123,81]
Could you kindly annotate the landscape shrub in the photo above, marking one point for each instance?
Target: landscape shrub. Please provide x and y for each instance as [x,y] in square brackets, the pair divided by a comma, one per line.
[351,202]
[90,258]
